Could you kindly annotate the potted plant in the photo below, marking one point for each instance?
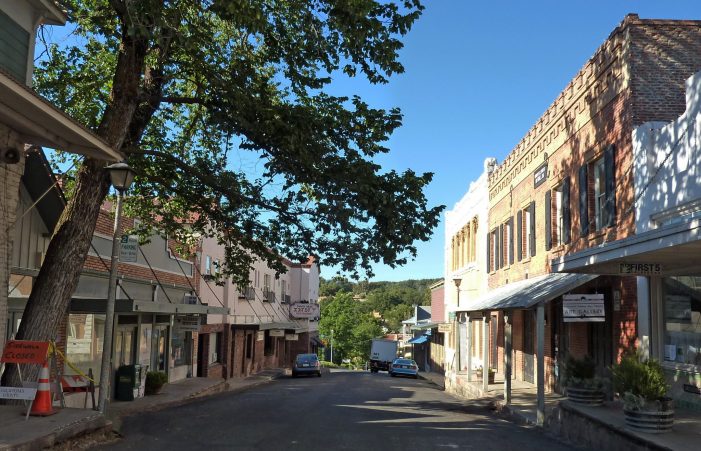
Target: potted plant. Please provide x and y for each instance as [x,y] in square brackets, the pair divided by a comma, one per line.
[155,381]
[582,384]
[642,385]
[479,371]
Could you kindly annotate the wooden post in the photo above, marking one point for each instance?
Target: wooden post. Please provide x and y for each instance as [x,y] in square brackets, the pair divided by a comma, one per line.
[485,352]
[508,319]
[540,335]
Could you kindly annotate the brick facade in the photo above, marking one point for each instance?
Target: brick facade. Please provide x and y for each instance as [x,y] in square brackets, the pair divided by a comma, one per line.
[637,75]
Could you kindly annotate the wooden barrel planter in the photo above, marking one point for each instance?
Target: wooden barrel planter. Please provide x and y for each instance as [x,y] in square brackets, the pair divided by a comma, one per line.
[650,421]
[586,396]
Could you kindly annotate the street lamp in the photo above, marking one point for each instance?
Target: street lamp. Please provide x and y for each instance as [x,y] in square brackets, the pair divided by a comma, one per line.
[457,281]
[121,176]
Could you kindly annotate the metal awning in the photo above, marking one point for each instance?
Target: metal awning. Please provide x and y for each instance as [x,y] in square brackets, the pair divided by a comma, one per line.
[427,326]
[529,292]
[40,123]
[268,326]
[98,305]
[669,250]
[418,340]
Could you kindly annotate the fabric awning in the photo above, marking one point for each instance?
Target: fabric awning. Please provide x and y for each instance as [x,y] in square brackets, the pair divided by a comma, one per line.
[40,123]
[529,292]
[669,250]
[418,340]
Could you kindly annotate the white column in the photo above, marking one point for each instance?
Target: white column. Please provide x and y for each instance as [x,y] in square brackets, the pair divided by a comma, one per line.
[540,337]
[485,352]
[507,357]
[644,314]
[468,350]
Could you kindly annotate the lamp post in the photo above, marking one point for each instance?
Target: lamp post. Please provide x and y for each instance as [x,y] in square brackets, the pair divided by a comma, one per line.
[457,282]
[121,176]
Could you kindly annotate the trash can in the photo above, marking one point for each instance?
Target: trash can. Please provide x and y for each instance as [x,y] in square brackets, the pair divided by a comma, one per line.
[128,382]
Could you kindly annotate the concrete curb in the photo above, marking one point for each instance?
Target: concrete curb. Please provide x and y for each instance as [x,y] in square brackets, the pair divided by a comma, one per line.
[84,426]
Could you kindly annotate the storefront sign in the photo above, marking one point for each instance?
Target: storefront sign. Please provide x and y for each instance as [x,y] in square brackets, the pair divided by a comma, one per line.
[445,328]
[129,249]
[583,308]
[260,335]
[291,337]
[540,175]
[188,323]
[301,310]
[18,393]
[20,351]
[640,269]
[276,332]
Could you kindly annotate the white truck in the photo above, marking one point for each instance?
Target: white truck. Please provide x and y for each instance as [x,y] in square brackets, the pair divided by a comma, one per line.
[382,353]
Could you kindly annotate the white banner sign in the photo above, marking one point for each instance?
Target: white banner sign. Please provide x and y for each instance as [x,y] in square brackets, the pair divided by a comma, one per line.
[445,328]
[17,393]
[291,337]
[129,249]
[578,308]
[276,333]
[300,310]
[260,335]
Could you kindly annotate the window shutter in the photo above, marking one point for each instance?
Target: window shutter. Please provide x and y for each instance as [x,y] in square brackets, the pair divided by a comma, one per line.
[609,167]
[548,223]
[500,247]
[583,203]
[511,240]
[531,209]
[566,221]
[519,235]
[489,251]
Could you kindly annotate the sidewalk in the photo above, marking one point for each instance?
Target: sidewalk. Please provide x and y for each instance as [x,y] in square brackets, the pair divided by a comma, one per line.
[41,432]
[600,428]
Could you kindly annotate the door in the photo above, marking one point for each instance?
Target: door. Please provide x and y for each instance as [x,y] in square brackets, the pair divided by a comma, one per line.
[601,340]
[158,353]
[528,360]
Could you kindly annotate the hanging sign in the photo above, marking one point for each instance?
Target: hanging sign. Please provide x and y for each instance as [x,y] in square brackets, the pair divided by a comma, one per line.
[260,335]
[129,248]
[445,328]
[276,332]
[540,175]
[578,308]
[303,310]
[20,351]
[291,337]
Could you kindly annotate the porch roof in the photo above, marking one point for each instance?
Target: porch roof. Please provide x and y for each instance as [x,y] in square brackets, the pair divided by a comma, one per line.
[40,123]
[668,250]
[529,292]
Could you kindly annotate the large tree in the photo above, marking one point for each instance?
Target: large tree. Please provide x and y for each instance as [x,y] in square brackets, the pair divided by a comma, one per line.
[222,107]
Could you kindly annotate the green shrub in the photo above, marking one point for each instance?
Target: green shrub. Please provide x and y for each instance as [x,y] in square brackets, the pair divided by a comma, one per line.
[581,373]
[639,381]
[154,381]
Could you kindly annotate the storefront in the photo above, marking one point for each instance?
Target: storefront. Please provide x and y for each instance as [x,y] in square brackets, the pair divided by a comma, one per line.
[666,263]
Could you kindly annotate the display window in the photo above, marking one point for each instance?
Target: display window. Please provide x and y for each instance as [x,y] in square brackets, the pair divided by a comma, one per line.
[682,319]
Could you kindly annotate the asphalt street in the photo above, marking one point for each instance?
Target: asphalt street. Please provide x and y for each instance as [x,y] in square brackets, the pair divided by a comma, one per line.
[339,411]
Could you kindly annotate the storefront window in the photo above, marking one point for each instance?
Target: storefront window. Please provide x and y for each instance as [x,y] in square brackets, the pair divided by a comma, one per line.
[181,347]
[214,348]
[84,344]
[682,319]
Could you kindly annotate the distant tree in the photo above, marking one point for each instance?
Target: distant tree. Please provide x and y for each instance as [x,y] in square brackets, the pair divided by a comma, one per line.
[334,286]
[352,327]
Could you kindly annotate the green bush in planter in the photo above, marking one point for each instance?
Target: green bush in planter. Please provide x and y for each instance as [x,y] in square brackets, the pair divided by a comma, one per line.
[154,381]
[641,383]
[581,373]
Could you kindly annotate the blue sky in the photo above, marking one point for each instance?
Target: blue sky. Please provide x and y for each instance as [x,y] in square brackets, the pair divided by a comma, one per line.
[478,76]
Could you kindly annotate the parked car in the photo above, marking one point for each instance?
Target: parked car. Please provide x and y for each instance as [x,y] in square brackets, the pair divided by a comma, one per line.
[306,364]
[404,367]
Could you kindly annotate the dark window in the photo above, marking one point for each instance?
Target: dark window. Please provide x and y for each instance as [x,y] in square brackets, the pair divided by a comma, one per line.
[269,348]
[519,235]
[583,202]
[548,221]
[531,231]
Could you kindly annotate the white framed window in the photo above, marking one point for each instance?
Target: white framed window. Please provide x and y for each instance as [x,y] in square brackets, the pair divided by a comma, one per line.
[526,233]
[599,192]
[559,216]
[207,265]
[508,242]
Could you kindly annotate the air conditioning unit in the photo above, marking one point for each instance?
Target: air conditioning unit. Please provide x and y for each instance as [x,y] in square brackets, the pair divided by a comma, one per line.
[190,299]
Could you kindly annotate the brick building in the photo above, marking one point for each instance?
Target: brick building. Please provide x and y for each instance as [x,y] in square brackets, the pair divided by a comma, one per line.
[567,187]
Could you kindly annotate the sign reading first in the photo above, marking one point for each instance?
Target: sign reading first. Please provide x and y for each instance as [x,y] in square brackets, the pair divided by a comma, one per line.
[20,351]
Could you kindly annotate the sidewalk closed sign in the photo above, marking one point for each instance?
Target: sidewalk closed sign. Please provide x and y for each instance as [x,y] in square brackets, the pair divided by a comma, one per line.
[583,308]
[20,351]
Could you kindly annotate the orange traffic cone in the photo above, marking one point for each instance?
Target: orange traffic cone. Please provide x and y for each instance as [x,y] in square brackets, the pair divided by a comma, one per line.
[43,405]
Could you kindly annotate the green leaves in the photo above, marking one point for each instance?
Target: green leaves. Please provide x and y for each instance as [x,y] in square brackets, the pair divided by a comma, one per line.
[221,107]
